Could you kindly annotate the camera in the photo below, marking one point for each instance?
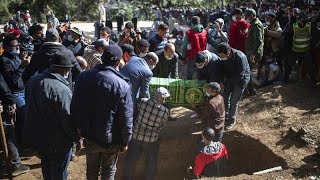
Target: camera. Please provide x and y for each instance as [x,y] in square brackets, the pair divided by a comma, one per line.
[132,34]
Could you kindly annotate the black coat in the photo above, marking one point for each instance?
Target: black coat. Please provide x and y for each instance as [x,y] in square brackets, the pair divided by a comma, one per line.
[40,60]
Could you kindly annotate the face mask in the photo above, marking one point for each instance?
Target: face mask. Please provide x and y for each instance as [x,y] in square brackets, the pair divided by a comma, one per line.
[248,21]
[208,94]
[66,76]
[167,57]
[223,59]
[15,51]
[268,23]
[142,55]
[152,67]
[200,66]
[234,18]
[70,38]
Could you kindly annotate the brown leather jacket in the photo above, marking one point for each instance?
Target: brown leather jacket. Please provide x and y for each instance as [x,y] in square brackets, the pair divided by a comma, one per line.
[212,113]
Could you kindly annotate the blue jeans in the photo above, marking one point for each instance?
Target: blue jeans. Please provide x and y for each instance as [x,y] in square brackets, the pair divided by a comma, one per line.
[20,115]
[191,69]
[150,150]
[54,165]
[232,96]
[97,157]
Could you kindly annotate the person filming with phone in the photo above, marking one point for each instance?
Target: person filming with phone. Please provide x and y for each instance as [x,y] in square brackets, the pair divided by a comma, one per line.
[215,30]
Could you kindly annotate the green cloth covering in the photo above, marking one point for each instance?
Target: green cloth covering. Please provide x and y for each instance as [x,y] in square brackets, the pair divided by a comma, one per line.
[186,93]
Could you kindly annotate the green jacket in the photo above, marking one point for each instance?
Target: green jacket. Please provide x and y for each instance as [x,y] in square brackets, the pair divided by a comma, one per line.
[255,39]
[198,28]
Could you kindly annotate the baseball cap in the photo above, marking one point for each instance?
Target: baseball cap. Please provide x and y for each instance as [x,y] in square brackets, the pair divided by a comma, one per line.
[215,86]
[52,34]
[112,53]
[62,59]
[200,57]
[161,92]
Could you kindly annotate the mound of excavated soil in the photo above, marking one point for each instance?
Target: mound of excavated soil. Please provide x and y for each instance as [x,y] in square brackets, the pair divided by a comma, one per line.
[260,140]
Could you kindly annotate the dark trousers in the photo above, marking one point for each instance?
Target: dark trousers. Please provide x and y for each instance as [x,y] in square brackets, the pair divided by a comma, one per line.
[232,96]
[11,142]
[97,157]
[150,150]
[54,165]
[190,69]
[304,62]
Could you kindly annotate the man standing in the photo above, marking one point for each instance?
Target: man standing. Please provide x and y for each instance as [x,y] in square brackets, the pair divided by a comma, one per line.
[105,33]
[139,71]
[212,111]
[273,39]
[8,102]
[40,60]
[216,32]
[195,40]
[238,31]
[168,63]
[151,117]
[128,36]
[237,75]
[105,117]
[300,36]
[158,41]
[74,42]
[12,64]
[254,44]
[48,125]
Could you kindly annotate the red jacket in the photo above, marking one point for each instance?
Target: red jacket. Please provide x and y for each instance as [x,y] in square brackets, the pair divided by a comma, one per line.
[198,42]
[238,34]
[208,154]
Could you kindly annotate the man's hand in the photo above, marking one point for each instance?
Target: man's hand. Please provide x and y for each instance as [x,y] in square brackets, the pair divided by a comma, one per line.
[123,149]
[209,26]
[218,28]
[25,59]
[252,59]
[12,109]
[1,107]
[221,85]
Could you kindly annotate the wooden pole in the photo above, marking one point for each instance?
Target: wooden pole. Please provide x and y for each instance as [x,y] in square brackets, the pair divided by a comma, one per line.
[5,149]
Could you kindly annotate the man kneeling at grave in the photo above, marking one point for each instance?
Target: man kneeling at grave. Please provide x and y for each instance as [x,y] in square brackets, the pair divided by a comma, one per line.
[212,110]
[210,159]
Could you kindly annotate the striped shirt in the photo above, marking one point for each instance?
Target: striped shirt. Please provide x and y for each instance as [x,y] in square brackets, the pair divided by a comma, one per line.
[92,56]
[150,120]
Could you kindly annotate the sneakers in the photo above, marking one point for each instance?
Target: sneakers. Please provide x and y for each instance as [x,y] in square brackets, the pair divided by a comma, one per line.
[230,126]
[194,116]
[21,170]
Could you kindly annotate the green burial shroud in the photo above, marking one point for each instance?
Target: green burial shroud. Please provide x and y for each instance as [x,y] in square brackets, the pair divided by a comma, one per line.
[186,93]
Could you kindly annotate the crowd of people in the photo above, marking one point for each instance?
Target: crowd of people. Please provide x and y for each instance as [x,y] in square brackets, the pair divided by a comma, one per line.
[60,92]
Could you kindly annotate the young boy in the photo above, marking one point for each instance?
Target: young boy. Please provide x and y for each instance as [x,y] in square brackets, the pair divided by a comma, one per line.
[210,159]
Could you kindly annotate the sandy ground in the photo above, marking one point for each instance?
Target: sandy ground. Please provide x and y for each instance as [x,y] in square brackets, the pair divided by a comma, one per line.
[260,139]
